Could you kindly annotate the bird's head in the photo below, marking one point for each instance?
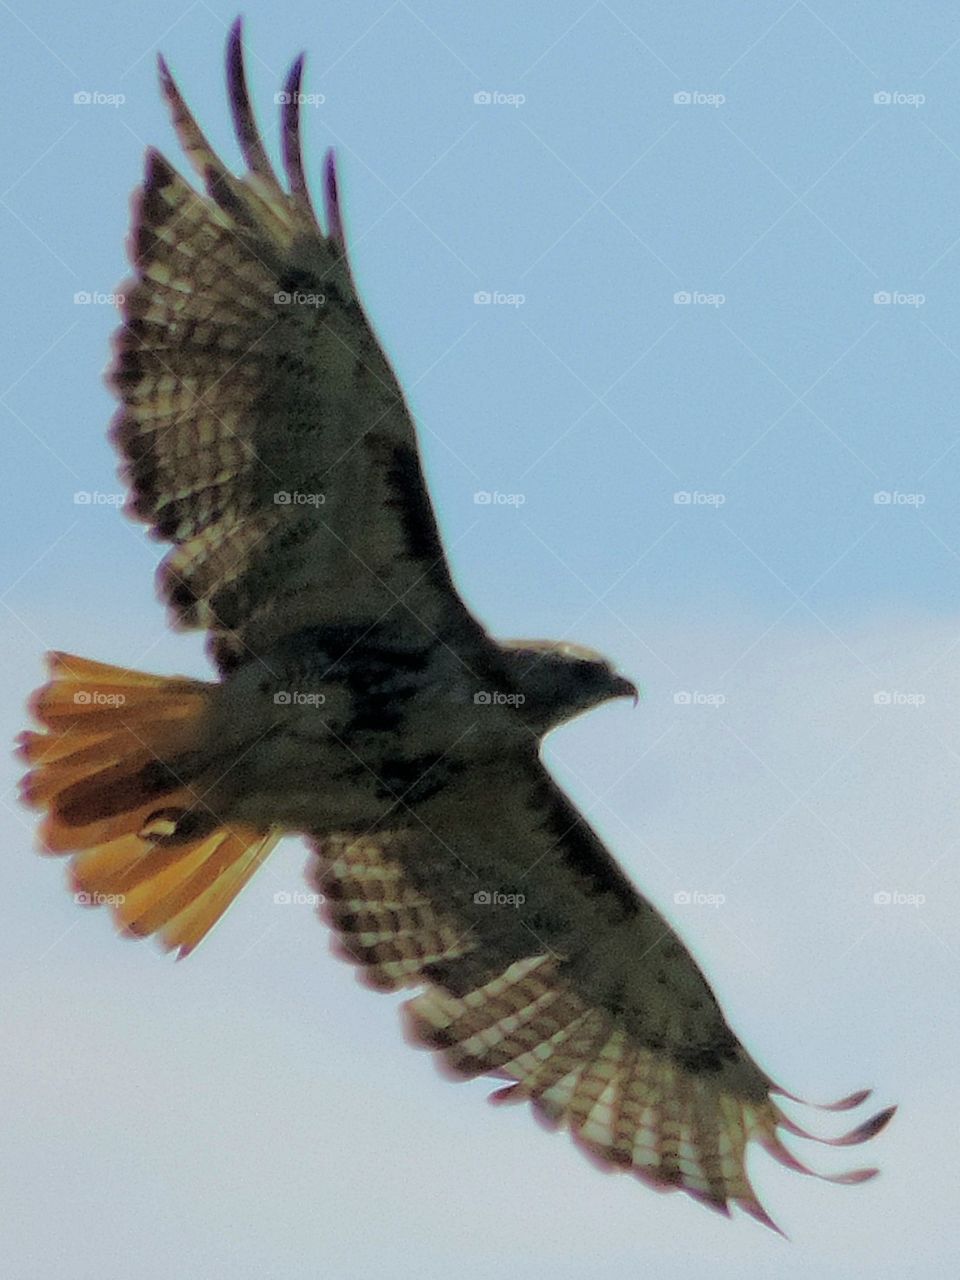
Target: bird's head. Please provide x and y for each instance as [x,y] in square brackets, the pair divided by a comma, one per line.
[560,680]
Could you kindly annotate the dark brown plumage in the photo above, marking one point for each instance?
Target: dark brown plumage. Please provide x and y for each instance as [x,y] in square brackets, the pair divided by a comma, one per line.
[264,436]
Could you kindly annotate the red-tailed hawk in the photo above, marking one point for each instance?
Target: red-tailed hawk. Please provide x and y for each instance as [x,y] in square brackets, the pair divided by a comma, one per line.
[264,435]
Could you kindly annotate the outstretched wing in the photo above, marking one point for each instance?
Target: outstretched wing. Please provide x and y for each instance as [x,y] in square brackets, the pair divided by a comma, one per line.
[541,964]
[261,428]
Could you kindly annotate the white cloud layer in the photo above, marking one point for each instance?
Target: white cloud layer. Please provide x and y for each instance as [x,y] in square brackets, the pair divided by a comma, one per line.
[253,1112]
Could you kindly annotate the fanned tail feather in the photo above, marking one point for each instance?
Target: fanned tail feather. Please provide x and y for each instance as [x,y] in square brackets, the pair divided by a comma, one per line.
[104,770]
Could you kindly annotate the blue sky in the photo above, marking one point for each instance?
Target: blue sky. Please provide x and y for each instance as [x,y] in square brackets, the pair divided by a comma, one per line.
[793,172]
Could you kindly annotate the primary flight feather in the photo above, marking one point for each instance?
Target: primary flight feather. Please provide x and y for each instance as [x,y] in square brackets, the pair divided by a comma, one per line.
[264,435]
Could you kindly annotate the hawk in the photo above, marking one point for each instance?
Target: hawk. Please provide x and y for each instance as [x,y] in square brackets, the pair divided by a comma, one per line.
[359,703]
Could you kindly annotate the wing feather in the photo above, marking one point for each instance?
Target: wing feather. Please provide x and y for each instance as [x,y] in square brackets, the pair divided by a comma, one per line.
[261,428]
[558,977]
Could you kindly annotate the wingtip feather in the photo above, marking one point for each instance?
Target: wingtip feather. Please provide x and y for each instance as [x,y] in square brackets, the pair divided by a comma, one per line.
[244,122]
[844,1104]
[291,141]
[331,198]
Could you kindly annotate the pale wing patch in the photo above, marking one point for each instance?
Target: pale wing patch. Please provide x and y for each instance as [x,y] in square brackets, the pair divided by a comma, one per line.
[629,1106]
[383,923]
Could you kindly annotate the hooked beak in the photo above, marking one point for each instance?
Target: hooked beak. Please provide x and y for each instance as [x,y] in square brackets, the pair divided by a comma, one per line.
[624,688]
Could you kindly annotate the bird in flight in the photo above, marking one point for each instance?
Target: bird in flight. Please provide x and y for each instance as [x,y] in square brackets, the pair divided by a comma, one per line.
[359,703]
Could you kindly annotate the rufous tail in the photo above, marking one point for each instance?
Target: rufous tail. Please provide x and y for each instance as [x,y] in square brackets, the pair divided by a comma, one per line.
[105,770]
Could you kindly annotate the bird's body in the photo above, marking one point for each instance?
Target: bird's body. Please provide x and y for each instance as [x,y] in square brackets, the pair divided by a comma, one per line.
[359,701]
[358,718]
